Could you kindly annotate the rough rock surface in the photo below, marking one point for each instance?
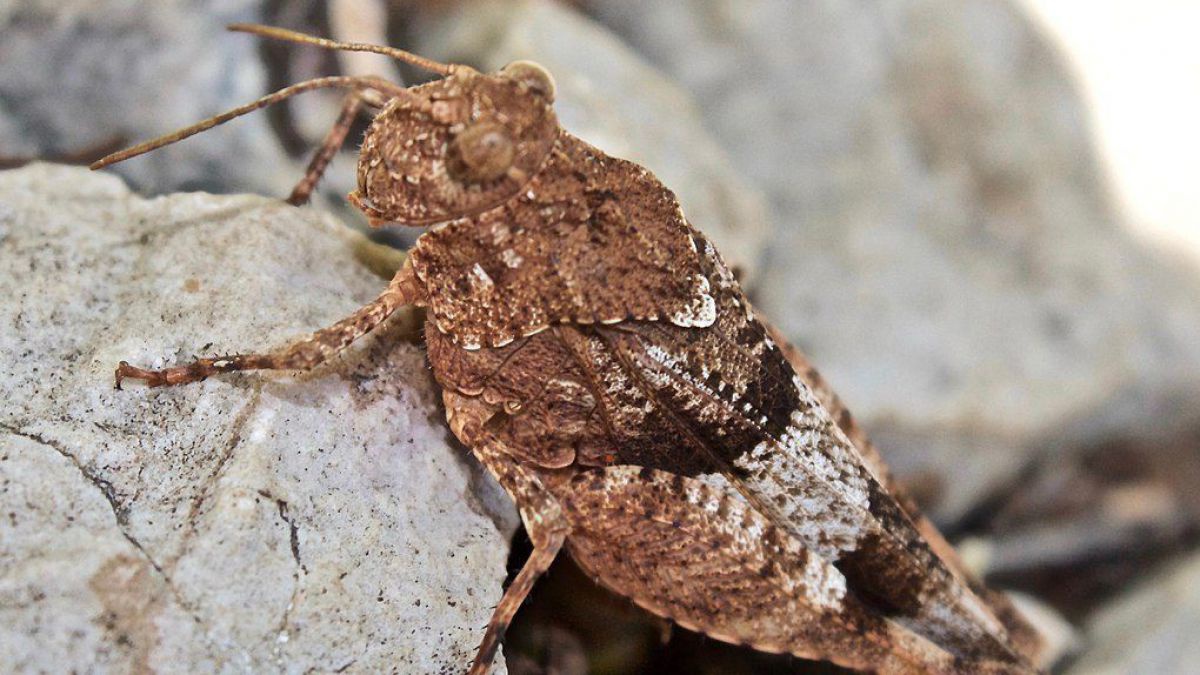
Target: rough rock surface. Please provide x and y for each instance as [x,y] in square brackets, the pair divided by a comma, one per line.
[251,522]
[611,98]
[83,73]
[1150,630]
[946,250]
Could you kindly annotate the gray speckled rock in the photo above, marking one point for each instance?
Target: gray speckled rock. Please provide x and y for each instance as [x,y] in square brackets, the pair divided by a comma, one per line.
[80,73]
[946,250]
[611,98]
[1152,629]
[247,523]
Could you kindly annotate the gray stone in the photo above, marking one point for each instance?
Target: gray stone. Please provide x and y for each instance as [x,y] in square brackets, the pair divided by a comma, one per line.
[250,522]
[82,73]
[1152,629]
[610,97]
[946,249]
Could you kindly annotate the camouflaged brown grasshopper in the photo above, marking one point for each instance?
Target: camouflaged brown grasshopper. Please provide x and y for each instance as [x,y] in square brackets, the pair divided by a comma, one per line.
[598,357]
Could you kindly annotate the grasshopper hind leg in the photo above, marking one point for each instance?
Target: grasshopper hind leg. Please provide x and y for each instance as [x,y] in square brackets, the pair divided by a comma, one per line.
[545,549]
[539,508]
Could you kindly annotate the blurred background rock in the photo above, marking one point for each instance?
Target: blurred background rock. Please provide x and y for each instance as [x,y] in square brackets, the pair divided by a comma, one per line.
[979,218]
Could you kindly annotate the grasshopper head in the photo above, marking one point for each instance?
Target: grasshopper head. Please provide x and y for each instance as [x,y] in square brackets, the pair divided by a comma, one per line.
[457,146]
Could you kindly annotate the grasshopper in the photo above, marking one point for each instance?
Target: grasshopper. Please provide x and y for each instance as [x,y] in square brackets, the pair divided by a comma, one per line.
[598,357]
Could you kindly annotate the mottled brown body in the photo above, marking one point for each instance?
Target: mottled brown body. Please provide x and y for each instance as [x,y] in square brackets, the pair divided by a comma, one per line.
[601,361]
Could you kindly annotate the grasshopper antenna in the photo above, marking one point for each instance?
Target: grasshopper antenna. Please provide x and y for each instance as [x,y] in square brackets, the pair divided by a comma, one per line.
[346,81]
[293,36]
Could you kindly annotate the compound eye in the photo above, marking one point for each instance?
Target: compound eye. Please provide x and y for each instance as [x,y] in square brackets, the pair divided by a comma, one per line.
[485,152]
[534,77]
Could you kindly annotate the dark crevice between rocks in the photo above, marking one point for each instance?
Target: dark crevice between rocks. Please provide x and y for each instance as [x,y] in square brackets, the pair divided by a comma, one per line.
[1078,528]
